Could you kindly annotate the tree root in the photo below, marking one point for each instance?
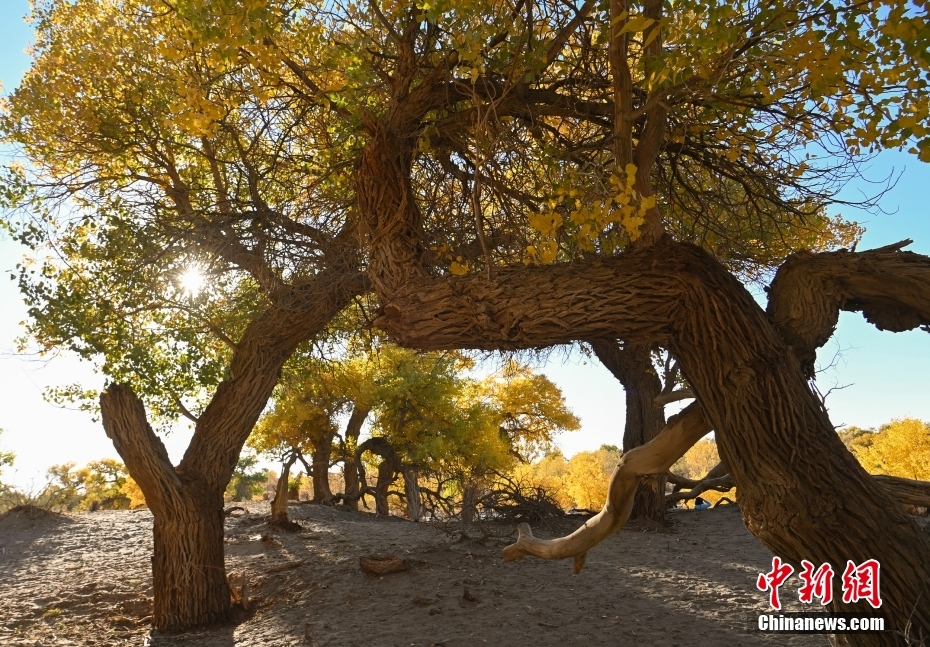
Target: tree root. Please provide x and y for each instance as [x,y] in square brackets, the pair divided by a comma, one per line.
[655,457]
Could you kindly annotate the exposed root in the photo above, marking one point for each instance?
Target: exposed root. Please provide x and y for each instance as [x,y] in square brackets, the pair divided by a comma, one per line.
[655,457]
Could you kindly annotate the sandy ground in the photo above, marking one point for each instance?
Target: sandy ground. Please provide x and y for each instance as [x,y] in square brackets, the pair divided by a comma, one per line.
[85,579]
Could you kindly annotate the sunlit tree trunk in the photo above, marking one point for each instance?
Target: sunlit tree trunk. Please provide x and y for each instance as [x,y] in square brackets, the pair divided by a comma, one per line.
[190,586]
[279,515]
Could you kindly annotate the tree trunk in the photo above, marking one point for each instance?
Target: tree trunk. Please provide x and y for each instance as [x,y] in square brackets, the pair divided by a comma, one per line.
[470,501]
[188,570]
[632,366]
[190,585]
[386,476]
[801,492]
[187,501]
[349,466]
[322,452]
[412,492]
[279,503]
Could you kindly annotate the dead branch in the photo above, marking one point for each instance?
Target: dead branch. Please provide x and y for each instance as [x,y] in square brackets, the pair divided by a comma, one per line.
[655,457]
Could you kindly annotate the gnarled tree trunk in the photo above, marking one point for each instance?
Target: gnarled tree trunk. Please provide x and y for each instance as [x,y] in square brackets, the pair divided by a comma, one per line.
[796,480]
[388,469]
[187,501]
[189,576]
[632,366]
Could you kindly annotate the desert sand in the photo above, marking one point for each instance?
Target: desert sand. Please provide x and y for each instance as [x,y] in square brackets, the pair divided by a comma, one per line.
[85,579]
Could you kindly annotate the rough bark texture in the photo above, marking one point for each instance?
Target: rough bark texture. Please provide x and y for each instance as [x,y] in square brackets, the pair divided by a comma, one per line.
[189,577]
[632,366]
[192,590]
[279,503]
[322,451]
[349,466]
[801,493]
[890,287]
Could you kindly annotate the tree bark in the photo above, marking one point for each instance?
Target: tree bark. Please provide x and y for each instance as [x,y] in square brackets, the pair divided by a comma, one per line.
[388,469]
[632,366]
[322,452]
[188,500]
[279,503]
[795,478]
[890,287]
[189,577]
[412,493]
[349,466]
[386,476]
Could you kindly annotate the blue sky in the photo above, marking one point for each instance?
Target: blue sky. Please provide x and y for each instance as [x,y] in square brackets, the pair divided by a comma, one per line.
[884,373]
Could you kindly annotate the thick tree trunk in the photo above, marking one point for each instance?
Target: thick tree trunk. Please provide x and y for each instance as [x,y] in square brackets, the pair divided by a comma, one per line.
[279,503]
[632,366]
[349,466]
[189,499]
[322,452]
[189,575]
[470,501]
[801,492]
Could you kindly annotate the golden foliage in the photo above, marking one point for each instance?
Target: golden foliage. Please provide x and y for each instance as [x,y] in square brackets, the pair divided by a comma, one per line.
[900,448]
[133,492]
[698,461]
[580,482]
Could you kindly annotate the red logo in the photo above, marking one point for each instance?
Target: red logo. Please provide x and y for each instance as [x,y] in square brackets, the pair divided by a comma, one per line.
[859,582]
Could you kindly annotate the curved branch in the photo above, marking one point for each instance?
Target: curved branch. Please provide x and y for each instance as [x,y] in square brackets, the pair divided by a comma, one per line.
[655,457]
[889,287]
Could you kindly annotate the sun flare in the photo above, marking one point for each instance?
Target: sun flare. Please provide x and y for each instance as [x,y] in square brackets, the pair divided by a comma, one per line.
[191,280]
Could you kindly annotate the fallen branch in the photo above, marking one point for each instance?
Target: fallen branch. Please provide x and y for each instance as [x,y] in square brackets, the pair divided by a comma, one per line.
[382,564]
[655,457]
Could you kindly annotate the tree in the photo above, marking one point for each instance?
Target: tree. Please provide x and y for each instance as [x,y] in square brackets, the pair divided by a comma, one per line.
[588,474]
[246,481]
[139,194]
[516,184]
[99,484]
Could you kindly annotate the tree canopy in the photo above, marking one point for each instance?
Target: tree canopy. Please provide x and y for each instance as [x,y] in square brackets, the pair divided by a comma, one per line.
[499,175]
